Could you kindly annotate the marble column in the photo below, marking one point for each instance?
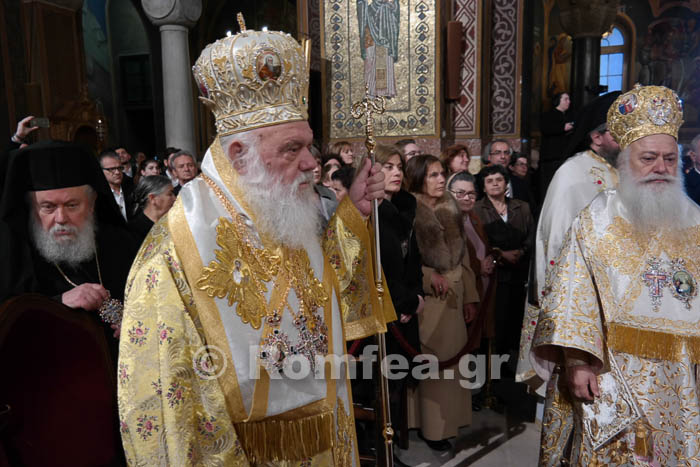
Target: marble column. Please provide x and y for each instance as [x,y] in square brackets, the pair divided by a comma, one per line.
[586,22]
[175,17]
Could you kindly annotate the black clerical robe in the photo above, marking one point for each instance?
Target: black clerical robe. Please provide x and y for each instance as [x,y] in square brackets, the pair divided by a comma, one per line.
[30,273]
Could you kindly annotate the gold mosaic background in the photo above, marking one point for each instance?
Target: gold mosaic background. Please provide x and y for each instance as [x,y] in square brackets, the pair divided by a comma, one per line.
[414,111]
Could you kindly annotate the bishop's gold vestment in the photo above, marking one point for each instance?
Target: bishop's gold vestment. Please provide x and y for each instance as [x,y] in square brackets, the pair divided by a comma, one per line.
[216,313]
[629,301]
[573,187]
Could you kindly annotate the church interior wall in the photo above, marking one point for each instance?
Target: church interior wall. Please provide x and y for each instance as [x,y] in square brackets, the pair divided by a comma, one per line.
[662,49]
[406,70]
[53,62]
[131,79]
[498,49]
[668,52]
[98,58]
[5,81]
[13,64]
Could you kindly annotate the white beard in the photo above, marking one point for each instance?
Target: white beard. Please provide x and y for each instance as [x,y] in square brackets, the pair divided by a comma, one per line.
[653,206]
[71,251]
[290,215]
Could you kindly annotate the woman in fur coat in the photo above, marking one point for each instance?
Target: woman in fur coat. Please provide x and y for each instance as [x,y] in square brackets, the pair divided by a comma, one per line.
[450,297]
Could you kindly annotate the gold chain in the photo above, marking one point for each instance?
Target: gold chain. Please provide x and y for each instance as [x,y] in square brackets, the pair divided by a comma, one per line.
[111,310]
[233,212]
[99,273]
[310,291]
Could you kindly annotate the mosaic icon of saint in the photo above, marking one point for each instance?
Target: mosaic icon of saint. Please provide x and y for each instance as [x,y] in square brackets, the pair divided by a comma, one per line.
[378,22]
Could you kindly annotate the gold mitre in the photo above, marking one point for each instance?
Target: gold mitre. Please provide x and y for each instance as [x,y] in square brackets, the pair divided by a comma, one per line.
[253,79]
[644,111]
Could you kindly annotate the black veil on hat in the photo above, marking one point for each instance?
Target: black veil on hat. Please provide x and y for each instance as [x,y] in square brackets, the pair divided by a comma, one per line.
[590,117]
[52,165]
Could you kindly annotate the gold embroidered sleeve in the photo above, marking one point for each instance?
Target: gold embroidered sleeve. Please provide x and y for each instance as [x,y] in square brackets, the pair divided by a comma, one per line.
[570,316]
[347,244]
[171,411]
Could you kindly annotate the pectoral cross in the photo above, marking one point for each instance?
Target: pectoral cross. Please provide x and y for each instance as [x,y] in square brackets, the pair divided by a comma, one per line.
[656,279]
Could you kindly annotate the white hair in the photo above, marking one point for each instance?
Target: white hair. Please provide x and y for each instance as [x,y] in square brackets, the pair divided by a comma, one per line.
[71,251]
[653,206]
[289,214]
[695,143]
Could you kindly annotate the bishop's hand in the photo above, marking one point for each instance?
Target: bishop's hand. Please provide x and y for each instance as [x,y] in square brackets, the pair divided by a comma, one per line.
[367,186]
[582,382]
[89,297]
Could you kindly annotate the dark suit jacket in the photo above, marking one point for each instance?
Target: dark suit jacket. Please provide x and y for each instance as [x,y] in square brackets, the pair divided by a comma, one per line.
[128,189]
[692,185]
[521,189]
[516,234]
[128,182]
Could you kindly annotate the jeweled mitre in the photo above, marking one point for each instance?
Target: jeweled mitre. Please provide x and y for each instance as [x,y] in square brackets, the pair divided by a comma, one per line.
[253,79]
[644,111]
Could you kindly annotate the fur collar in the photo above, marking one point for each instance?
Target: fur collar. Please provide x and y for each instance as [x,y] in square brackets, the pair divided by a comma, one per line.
[440,233]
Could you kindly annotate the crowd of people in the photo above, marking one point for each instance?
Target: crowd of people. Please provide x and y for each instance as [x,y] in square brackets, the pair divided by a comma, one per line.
[268,248]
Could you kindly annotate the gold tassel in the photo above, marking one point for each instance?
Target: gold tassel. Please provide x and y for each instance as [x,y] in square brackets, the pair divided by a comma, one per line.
[653,344]
[642,442]
[274,440]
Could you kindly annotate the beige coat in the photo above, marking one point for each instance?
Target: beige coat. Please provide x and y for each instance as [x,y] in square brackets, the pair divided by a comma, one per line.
[442,405]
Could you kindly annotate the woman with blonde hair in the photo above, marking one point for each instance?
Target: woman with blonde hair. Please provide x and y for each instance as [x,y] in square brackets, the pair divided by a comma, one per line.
[341,150]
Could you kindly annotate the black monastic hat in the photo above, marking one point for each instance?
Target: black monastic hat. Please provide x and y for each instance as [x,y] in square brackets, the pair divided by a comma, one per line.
[51,165]
[590,117]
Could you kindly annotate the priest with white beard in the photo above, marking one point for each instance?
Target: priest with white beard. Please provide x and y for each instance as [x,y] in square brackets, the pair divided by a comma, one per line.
[64,241]
[58,227]
[237,292]
[619,321]
[574,185]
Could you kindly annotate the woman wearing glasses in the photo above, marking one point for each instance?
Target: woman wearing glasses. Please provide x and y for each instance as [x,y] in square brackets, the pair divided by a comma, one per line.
[482,258]
[510,228]
[450,301]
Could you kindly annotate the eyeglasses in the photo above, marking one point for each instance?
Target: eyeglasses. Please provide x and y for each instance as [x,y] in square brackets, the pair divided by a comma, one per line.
[461,194]
[113,170]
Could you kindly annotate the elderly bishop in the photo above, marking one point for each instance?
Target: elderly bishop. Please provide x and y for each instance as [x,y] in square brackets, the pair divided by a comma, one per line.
[620,319]
[237,297]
